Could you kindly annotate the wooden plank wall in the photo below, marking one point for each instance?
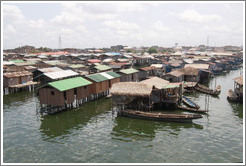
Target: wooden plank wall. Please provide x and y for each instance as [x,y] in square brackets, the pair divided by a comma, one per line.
[45,97]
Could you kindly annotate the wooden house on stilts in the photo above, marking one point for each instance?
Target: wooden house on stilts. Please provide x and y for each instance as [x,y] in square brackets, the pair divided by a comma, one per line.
[67,93]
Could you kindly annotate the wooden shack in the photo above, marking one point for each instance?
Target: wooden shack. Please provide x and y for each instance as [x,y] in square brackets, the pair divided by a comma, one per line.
[191,74]
[65,93]
[146,72]
[238,87]
[131,95]
[175,76]
[57,75]
[16,81]
[129,75]
[38,75]
[164,91]
[100,68]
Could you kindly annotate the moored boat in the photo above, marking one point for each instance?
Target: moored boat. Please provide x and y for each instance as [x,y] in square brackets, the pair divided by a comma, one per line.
[191,109]
[190,103]
[204,89]
[231,95]
[160,116]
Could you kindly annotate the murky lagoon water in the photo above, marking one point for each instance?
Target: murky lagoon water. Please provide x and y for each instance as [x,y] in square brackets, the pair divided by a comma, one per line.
[92,134]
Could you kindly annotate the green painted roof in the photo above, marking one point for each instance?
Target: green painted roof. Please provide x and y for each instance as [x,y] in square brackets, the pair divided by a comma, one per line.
[77,66]
[17,61]
[102,67]
[128,71]
[170,86]
[70,83]
[113,74]
[97,77]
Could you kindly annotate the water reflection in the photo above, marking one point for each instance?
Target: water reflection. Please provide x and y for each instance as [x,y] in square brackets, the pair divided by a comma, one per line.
[61,124]
[131,129]
[237,109]
[17,97]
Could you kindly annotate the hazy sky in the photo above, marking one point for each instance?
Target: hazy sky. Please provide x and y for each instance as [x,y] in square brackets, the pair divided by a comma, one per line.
[97,24]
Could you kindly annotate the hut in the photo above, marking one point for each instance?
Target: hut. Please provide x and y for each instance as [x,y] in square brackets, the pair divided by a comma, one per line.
[131,95]
[191,74]
[100,68]
[57,75]
[238,87]
[102,82]
[146,72]
[175,76]
[164,91]
[129,75]
[61,94]
[16,81]
[38,74]
[78,67]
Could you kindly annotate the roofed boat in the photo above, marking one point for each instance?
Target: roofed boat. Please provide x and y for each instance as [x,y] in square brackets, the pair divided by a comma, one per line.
[158,116]
[204,89]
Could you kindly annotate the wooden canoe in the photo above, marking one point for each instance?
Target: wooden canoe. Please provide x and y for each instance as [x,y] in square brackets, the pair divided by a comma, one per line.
[231,95]
[204,89]
[190,103]
[192,109]
[160,116]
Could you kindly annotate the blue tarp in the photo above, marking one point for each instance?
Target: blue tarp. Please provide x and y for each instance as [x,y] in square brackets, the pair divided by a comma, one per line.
[112,53]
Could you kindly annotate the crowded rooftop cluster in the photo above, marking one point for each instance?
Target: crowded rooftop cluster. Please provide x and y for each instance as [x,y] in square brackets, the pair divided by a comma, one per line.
[64,79]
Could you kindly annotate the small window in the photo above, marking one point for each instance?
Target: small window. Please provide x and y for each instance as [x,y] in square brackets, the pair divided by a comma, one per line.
[52,93]
[85,87]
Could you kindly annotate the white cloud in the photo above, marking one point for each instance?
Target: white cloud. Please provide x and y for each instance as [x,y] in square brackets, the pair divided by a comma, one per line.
[9,29]
[194,16]
[160,27]
[120,25]
[11,12]
[218,29]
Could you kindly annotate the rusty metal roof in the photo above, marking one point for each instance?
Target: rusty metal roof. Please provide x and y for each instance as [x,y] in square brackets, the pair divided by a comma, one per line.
[176,73]
[17,74]
[239,80]
[148,68]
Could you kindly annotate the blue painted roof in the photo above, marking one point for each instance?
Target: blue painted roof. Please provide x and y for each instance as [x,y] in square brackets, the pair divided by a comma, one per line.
[112,53]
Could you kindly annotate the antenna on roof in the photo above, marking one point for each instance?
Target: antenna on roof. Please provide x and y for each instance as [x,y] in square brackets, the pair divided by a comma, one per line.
[207,41]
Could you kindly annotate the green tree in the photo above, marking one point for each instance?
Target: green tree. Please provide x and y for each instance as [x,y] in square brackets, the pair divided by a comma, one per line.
[152,50]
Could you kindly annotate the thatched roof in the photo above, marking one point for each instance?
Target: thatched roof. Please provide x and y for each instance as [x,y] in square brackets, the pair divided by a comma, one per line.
[190,71]
[131,89]
[156,81]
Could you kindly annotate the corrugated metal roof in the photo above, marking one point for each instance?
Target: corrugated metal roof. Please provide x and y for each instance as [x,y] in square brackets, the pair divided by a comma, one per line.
[17,74]
[17,61]
[61,74]
[70,83]
[102,67]
[176,73]
[94,60]
[50,69]
[129,71]
[77,66]
[115,75]
[170,86]
[107,75]
[198,66]
[97,77]
[239,80]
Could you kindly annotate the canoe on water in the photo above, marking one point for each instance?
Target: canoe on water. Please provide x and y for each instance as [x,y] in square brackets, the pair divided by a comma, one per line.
[190,103]
[160,116]
[204,89]
[192,109]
